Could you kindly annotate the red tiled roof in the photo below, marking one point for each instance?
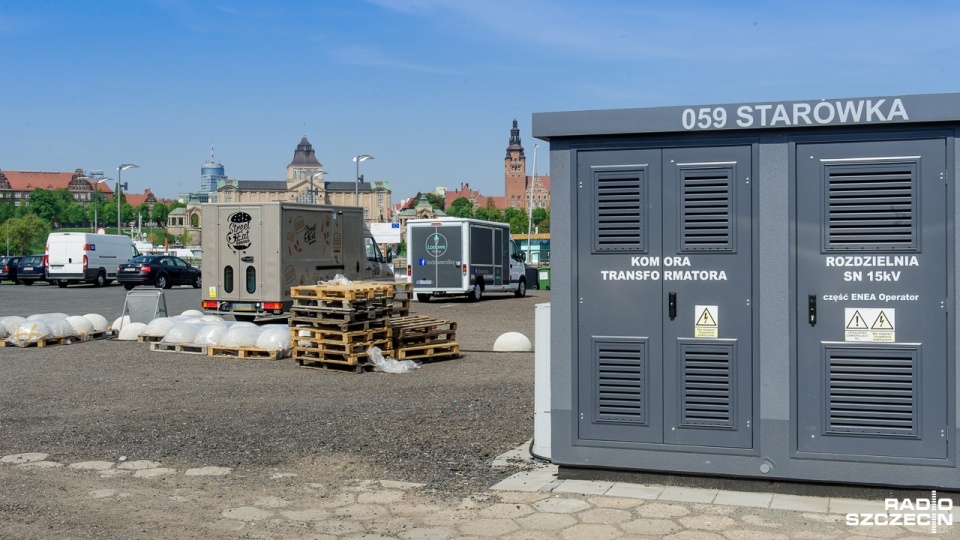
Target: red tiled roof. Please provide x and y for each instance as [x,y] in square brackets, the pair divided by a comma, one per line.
[31,180]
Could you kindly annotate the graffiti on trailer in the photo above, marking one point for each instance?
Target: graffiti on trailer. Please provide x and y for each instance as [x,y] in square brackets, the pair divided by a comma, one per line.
[238,234]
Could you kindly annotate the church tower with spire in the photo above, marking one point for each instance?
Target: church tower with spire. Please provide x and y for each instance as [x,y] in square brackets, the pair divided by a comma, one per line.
[515,171]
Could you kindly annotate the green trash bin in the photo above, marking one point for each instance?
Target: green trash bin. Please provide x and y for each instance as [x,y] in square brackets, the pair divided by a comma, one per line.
[543,278]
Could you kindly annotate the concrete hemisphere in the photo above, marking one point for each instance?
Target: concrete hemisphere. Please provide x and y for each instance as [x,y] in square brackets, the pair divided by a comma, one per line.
[512,342]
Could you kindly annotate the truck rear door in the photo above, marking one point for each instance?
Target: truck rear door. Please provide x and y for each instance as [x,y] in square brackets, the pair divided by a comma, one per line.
[241,253]
[438,250]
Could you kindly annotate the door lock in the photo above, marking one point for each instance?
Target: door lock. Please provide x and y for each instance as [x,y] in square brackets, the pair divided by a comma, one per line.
[812,309]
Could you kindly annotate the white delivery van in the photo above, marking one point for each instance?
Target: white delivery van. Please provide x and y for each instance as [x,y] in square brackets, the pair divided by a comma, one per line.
[76,257]
[449,256]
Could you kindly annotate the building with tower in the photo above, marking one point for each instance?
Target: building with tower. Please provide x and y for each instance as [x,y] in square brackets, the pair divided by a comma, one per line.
[211,172]
[516,183]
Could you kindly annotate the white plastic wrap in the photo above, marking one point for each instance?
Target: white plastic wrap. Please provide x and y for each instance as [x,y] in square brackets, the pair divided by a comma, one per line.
[338,279]
[192,313]
[389,365]
[241,335]
[158,327]
[130,331]
[210,318]
[10,323]
[210,334]
[182,333]
[80,325]
[58,327]
[98,321]
[40,316]
[274,337]
[29,332]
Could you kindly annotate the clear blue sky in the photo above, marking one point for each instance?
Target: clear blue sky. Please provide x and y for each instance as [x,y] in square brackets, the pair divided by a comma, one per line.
[428,87]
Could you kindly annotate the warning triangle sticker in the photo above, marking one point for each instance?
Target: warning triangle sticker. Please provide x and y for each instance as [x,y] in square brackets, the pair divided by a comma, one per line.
[882,322]
[856,322]
[705,319]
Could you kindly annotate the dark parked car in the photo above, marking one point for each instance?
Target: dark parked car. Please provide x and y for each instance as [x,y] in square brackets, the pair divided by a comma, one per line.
[31,269]
[161,271]
[8,268]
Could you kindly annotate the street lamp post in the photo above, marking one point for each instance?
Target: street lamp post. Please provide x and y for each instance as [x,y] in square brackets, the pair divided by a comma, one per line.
[356,192]
[120,169]
[313,191]
[96,200]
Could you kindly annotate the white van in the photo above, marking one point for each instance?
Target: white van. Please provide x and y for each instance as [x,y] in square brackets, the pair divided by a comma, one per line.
[74,257]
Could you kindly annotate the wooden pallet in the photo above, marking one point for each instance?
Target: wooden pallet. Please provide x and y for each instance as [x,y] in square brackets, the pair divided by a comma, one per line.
[317,355]
[149,339]
[337,368]
[437,351]
[421,330]
[357,290]
[342,326]
[247,353]
[327,335]
[41,343]
[90,336]
[178,348]
[336,347]
[322,316]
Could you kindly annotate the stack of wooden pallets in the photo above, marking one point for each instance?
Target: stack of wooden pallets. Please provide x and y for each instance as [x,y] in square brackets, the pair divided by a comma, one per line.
[423,338]
[335,325]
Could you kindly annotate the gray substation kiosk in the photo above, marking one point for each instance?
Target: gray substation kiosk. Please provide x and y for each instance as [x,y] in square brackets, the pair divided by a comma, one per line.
[763,290]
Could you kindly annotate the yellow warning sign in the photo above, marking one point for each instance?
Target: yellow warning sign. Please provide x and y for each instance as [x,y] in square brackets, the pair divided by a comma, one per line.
[877,325]
[706,325]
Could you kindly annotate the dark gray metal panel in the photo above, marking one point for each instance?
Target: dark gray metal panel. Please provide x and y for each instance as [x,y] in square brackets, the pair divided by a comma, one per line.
[618,299]
[750,116]
[870,297]
[708,271]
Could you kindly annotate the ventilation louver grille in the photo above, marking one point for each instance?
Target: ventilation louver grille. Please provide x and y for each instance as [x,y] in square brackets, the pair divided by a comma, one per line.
[872,392]
[871,207]
[619,223]
[708,377]
[621,382]
[707,213]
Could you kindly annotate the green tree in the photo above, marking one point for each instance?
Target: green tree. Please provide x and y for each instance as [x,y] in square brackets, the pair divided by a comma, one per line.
[73,214]
[158,214]
[27,234]
[518,223]
[481,213]
[460,207]
[541,219]
[7,211]
[43,204]
[436,201]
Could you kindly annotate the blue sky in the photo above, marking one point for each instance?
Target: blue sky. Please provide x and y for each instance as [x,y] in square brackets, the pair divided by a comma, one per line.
[428,87]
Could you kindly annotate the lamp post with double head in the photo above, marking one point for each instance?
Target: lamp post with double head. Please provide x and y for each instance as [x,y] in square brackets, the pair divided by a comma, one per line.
[356,191]
[120,169]
[96,200]
[313,190]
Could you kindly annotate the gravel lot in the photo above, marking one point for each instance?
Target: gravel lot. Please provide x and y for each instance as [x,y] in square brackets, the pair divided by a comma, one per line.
[440,425]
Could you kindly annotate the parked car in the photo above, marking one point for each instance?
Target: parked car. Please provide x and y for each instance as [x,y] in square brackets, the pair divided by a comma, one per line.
[8,268]
[161,271]
[30,269]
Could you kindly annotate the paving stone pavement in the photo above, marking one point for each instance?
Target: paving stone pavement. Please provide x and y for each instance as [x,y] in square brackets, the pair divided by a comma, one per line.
[530,505]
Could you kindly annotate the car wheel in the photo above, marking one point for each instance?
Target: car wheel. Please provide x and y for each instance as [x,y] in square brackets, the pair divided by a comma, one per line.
[477,293]
[129,286]
[423,297]
[196,282]
[521,288]
[28,282]
[100,281]
[62,284]
[163,282]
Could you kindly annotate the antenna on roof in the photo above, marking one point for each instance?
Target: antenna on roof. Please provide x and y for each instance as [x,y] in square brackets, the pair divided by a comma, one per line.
[211,152]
